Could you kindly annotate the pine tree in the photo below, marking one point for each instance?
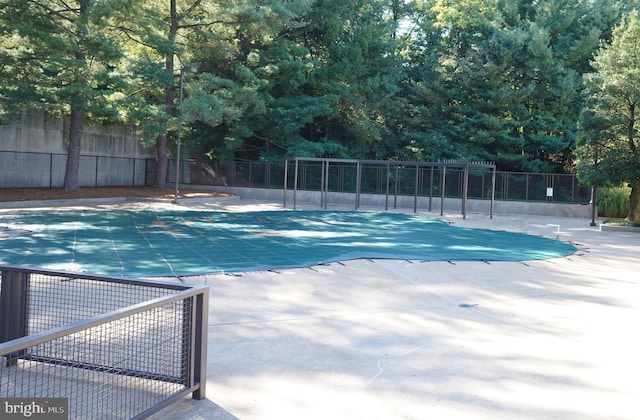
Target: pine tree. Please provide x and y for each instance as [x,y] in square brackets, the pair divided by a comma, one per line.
[61,55]
[356,68]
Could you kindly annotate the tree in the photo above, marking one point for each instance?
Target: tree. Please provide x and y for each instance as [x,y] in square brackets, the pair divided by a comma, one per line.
[608,144]
[222,39]
[156,37]
[356,74]
[59,54]
[255,85]
[499,80]
[154,30]
[305,78]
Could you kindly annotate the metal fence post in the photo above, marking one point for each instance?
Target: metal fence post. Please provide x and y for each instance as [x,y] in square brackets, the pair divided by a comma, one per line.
[442,187]
[386,198]
[201,301]
[13,307]
[50,170]
[286,181]
[295,183]
[431,188]
[326,185]
[415,192]
[358,183]
[465,190]
[396,186]
[322,163]
[493,191]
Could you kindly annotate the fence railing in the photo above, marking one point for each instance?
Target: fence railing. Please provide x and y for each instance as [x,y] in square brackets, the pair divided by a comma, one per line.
[115,348]
[514,186]
[28,169]
[32,170]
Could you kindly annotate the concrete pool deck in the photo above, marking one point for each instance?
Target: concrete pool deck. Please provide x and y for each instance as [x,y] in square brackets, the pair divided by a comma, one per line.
[367,339]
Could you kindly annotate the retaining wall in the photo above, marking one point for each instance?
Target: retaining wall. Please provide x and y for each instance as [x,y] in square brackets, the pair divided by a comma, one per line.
[33,153]
[36,131]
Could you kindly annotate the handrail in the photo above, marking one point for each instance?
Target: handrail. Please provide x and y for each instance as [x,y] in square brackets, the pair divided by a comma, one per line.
[17,344]
[161,340]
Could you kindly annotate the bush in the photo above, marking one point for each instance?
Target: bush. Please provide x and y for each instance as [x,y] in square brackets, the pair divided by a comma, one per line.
[613,202]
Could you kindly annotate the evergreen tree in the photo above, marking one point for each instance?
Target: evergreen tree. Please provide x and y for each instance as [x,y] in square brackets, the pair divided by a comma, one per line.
[356,68]
[62,55]
[500,80]
[608,144]
[155,30]
[427,80]
[255,85]
[310,79]
[163,37]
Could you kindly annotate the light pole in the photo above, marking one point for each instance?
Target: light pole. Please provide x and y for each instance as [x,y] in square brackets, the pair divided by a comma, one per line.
[182,70]
[594,206]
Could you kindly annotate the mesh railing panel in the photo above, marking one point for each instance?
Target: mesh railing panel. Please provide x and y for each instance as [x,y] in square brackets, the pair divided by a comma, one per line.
[60,300]
[110,371]
[115,348]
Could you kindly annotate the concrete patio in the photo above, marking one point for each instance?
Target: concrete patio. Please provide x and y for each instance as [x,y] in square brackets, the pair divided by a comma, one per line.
[381,339]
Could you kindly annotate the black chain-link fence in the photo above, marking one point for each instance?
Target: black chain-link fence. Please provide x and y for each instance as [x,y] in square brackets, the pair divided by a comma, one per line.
[33,170]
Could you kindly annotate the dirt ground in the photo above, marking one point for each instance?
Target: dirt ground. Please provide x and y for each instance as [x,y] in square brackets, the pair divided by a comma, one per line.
[26,194]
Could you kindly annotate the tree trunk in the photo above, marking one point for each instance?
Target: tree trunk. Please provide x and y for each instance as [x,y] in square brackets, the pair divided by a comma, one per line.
[76,120]
[162,152]
[71,181]
[634,202]
[162,162]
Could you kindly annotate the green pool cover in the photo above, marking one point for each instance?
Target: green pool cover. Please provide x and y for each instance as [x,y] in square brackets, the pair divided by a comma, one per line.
[183,243]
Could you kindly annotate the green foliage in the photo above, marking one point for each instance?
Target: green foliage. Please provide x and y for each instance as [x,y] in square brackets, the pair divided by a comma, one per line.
[495,80]
[621,222]
[501,81]
[613,202]
[608,147]
[60,56]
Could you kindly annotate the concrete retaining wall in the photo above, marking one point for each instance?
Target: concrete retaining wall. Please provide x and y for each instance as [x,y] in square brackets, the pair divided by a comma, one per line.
[33,153]
[36,131]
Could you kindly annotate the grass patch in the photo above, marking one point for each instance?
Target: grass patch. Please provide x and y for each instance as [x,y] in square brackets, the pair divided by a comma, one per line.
[621,222]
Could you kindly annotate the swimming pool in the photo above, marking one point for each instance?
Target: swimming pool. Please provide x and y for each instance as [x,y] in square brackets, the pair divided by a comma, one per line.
[184,243]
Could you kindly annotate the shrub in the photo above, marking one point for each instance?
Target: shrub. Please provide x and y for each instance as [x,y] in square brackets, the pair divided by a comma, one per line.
[613,202]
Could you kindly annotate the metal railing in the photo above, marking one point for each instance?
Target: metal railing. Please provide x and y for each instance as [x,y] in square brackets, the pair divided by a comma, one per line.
[29,169]
[32,170]
[387,172]
[343,177]
[115,348]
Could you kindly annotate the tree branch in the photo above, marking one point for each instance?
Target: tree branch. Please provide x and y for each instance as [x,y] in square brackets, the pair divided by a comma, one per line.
[127,32]
[268,140]
[59,13]
[188,11]
[215,22]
